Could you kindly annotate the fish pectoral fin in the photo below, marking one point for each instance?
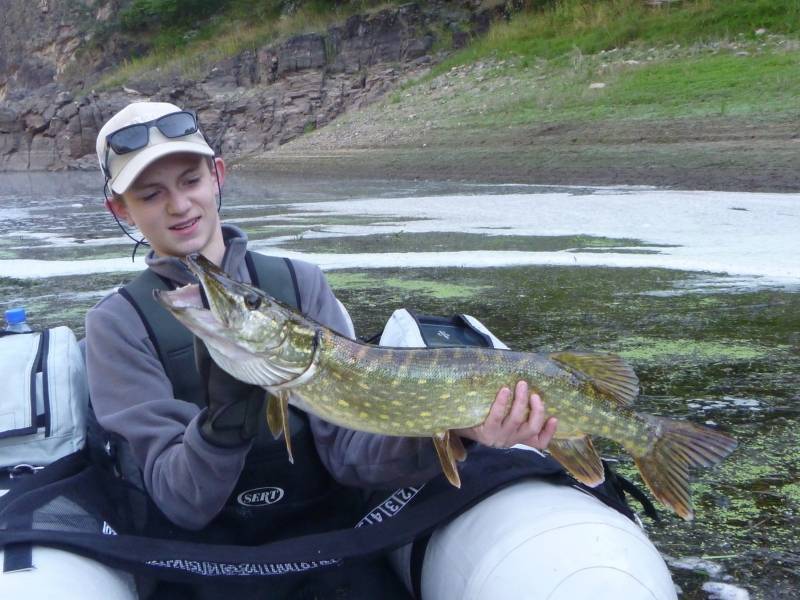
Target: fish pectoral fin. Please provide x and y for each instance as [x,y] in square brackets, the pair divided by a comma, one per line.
[457,449]
[607,373]
[278,418]
[442,443]
[274,416]
[578,456]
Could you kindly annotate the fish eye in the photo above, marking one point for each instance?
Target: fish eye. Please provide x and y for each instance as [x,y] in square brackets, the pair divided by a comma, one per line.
[252,301]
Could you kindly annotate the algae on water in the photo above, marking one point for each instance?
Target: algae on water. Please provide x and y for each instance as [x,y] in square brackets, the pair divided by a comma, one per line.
[435,289]
[639,349]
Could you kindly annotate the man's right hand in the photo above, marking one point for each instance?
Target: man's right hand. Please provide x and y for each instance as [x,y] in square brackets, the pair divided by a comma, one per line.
[234,407]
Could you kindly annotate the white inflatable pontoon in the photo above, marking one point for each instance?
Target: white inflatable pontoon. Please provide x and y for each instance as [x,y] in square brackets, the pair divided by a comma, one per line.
[531,541]
[539,541]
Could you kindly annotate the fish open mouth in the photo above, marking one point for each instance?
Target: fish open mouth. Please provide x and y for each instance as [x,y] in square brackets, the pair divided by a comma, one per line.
[207,320]
[187,296]
[191,300]
[186,304]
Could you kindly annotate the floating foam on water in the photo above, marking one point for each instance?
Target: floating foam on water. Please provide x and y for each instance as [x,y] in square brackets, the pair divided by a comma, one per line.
[706,235]
[695,563]
[717,590]
[692,231]
[38,269]
[726,403]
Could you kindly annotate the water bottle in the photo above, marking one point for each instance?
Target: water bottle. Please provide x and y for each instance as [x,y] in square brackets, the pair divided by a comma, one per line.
[15,321]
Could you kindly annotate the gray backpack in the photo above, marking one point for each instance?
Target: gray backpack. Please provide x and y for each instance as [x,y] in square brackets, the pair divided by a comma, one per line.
[408,328]
[44,399]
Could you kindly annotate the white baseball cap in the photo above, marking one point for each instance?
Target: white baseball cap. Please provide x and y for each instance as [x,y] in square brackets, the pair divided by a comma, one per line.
[122,169]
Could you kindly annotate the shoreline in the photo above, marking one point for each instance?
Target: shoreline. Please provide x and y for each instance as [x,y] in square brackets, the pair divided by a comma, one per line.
[714,154]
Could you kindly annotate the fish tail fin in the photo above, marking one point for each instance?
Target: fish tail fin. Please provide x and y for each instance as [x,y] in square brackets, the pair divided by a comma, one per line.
[678,446]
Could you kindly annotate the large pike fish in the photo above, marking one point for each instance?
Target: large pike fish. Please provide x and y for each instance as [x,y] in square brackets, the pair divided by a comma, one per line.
[428,392]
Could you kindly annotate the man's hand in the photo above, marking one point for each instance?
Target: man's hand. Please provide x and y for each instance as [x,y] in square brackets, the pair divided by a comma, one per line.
[235,408]
[525,422]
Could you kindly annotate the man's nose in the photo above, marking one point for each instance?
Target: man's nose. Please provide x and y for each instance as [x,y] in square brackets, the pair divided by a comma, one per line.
[178,203]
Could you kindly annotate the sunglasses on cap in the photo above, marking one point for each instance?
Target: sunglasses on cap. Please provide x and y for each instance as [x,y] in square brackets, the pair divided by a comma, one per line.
[137,136]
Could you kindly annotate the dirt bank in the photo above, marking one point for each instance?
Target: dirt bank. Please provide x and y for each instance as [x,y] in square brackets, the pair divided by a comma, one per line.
[720,153]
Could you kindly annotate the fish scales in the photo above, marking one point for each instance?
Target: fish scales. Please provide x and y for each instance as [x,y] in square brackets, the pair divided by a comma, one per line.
[436,382]
[429,392]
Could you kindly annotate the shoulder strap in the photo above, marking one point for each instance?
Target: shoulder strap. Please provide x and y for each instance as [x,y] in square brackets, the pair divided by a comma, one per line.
[276,276]
[162,328]
[172,341]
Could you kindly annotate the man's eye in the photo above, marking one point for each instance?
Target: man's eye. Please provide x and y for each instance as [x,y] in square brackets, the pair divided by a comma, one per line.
[150,196]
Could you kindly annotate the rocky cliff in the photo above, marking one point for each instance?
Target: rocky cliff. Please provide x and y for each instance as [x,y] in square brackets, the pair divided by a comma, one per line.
[247,104]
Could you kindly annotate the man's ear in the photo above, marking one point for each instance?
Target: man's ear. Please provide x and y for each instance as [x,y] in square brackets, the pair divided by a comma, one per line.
[119,210]
[220,170]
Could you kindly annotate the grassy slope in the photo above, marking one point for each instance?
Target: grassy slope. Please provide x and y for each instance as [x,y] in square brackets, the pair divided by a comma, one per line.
[622,91]
[191,48]
[701,57]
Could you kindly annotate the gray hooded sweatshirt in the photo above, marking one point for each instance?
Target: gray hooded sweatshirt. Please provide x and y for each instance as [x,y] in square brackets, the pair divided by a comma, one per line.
[189,478]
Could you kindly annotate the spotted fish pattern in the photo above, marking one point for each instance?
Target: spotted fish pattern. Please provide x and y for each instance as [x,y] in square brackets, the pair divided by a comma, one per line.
[430,392]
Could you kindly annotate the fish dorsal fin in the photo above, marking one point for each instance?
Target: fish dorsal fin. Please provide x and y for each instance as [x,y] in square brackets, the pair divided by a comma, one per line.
[278,419]
[607,373]
[578,456]
[444,444]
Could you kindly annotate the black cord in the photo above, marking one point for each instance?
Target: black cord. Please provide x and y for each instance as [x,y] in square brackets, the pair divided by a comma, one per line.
[219,187]
[140,242]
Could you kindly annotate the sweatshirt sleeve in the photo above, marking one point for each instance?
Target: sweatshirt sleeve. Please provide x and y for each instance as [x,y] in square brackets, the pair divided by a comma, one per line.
[358,458]
[188,478]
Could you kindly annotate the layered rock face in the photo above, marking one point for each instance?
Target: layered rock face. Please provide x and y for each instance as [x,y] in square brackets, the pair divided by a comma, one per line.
[247,104]
[38,39]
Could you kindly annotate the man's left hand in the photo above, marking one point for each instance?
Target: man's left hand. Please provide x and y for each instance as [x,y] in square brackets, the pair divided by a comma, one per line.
[525,422]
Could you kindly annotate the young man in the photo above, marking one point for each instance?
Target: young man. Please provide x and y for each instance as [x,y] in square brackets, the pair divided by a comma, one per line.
[198,453]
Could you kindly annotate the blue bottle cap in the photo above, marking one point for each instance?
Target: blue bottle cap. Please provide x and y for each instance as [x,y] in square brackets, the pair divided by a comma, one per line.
[15,316]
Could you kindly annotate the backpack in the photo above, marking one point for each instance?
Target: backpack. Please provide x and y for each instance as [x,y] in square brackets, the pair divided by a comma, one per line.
[407,328]
[44,406]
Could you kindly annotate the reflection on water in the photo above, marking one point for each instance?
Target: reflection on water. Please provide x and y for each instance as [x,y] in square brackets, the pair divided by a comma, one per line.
[712,348]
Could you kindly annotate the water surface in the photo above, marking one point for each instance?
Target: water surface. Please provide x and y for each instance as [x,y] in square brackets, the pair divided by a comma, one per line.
[698,290]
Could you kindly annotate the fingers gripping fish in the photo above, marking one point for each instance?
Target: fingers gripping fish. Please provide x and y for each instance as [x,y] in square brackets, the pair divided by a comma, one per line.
[429,392]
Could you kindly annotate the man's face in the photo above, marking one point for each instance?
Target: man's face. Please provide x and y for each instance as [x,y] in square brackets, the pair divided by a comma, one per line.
[173,203]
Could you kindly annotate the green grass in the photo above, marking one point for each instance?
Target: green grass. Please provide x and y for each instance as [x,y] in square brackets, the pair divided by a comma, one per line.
[721,84]
[688,86]
[694,59]
[592,26]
